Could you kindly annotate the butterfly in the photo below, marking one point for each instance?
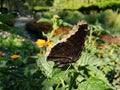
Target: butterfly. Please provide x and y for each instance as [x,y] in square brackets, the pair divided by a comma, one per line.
[69,49]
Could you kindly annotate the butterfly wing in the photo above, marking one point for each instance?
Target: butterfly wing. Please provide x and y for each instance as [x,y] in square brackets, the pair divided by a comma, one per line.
[69,49]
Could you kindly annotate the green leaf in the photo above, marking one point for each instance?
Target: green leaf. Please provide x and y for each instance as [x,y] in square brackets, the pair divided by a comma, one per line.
[44,20]
[58,74]
[47,88]
[45,67]
[30,69]
[80,78]
[4,27]
[94,71]
[0,22]
[89,59]
[58,78]
[94,83]
[3,63]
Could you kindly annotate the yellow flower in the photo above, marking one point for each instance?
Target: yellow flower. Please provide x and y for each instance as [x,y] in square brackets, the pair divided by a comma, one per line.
[113,62]
[15,56]
[115,45]
[50,43]
[56,16]
[41,42]
[103,47]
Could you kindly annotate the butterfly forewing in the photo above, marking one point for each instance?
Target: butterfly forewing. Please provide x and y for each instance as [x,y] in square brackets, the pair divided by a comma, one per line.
[69,49]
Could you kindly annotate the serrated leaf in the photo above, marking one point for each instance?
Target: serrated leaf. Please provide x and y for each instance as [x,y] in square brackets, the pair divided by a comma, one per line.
[58,78]
[94,83]
[57,75]
[89,59]
[80,78]
[45,67]
[94,71]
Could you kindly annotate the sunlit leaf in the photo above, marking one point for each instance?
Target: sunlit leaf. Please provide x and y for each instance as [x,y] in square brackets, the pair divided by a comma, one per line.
[45,67]
[94,83]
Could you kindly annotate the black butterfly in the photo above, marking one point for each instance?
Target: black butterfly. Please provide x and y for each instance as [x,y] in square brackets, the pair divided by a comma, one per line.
[69,49]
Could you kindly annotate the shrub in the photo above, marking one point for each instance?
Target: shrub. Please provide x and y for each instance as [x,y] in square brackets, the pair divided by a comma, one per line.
[11,43]
[91,18]
[117,22]
[47,15]
[7,19]
[4,27]
[107,17]
[71,16]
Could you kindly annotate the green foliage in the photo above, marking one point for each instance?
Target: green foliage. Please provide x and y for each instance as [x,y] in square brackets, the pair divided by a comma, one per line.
[77,4]
[108,18]
[98,29]
[4,27]
[117,24]
[7,19]
[38,4]
[96,68]
[17,73]
[38,8]
[44,20]
[88,59]
[15,30]
[71,16]
[45,67]
[94,83]
[91,18]
[61,22]
[16,44]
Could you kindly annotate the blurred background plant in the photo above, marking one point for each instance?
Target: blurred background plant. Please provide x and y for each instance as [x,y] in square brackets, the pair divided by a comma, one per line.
[7,19]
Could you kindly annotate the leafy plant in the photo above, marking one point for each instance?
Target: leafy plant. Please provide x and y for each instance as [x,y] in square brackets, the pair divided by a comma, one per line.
[94,83]
[23,64]
[7,19]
